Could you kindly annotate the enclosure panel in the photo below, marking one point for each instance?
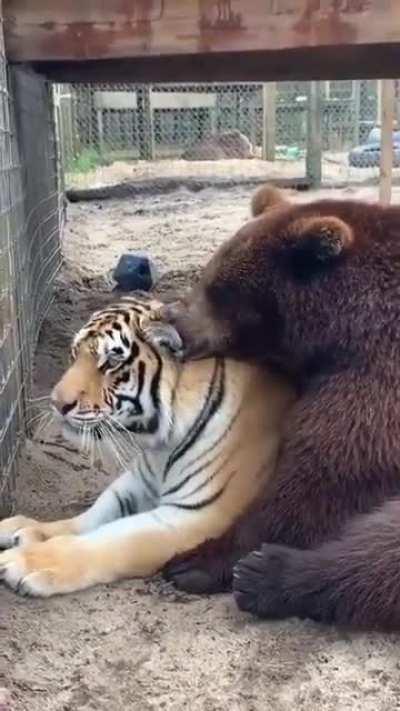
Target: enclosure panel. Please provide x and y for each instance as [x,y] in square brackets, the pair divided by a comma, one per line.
[10,376]
[29,250]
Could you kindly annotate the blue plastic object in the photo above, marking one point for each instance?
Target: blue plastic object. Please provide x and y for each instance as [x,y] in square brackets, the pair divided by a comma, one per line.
[134,272]
[368,155]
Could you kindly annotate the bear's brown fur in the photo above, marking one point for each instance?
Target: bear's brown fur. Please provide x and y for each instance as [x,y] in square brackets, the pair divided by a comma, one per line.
[315,290]
[229,144]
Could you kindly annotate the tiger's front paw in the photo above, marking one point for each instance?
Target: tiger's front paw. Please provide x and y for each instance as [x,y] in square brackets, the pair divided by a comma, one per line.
[19,530]
[44,569]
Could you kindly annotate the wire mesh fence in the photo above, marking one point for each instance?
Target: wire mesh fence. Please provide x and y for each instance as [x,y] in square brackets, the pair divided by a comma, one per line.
[29,248]
[261,130]
[350,129]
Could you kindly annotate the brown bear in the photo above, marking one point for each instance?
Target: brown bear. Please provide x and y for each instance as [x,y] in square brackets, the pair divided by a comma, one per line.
[313,289]
[229,144]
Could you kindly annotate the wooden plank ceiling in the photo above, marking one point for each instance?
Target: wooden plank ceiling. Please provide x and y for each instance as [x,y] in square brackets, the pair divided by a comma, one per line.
[260,39]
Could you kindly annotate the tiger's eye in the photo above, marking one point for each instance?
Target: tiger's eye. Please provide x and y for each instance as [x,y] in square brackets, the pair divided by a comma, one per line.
[115,357]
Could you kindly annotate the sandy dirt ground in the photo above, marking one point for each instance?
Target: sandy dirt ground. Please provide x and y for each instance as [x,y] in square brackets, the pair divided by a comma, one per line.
[140,645]
[180,230]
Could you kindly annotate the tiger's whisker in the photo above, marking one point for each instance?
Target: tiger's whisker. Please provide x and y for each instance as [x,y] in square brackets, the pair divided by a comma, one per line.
[39,416]
[120,454]
[131,438]
[128,445]
[38,399]
[43,425]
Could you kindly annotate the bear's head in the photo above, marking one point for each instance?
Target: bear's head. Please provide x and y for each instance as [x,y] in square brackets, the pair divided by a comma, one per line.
[304,285]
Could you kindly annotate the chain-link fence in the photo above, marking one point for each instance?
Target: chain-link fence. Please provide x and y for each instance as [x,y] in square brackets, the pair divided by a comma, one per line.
[29,248]
[117,131]
[350,118]
[169,130]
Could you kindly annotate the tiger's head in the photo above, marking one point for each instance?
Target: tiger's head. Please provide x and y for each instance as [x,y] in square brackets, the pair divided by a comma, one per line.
[119,374]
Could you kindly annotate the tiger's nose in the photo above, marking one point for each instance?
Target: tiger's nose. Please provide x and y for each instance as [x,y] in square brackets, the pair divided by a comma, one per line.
[80,385]
[60,404]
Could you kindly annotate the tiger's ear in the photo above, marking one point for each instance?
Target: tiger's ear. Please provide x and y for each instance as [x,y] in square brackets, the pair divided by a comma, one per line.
[162,335]
[314,244]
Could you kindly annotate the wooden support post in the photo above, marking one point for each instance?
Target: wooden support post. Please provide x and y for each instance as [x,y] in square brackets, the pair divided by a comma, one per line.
[61,159]
[269,121]
[252,124]
[67,128]
[379,97]
[386,164]
[356,111]
[314,134]
[100,131]
[213,112]
[396,105]
[145,120]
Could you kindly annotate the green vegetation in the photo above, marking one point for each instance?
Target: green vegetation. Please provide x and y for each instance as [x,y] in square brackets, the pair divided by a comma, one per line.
[87,160]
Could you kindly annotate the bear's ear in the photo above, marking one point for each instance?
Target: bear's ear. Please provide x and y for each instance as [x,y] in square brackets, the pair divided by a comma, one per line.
[162,335]
[266,198]
[314,244]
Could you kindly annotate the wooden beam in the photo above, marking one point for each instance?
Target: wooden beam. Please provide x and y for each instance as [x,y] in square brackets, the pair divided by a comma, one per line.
[73,30]
[341,62]
[386,163]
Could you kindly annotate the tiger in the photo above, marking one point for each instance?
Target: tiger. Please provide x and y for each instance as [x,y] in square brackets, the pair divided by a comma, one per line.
[204,437]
